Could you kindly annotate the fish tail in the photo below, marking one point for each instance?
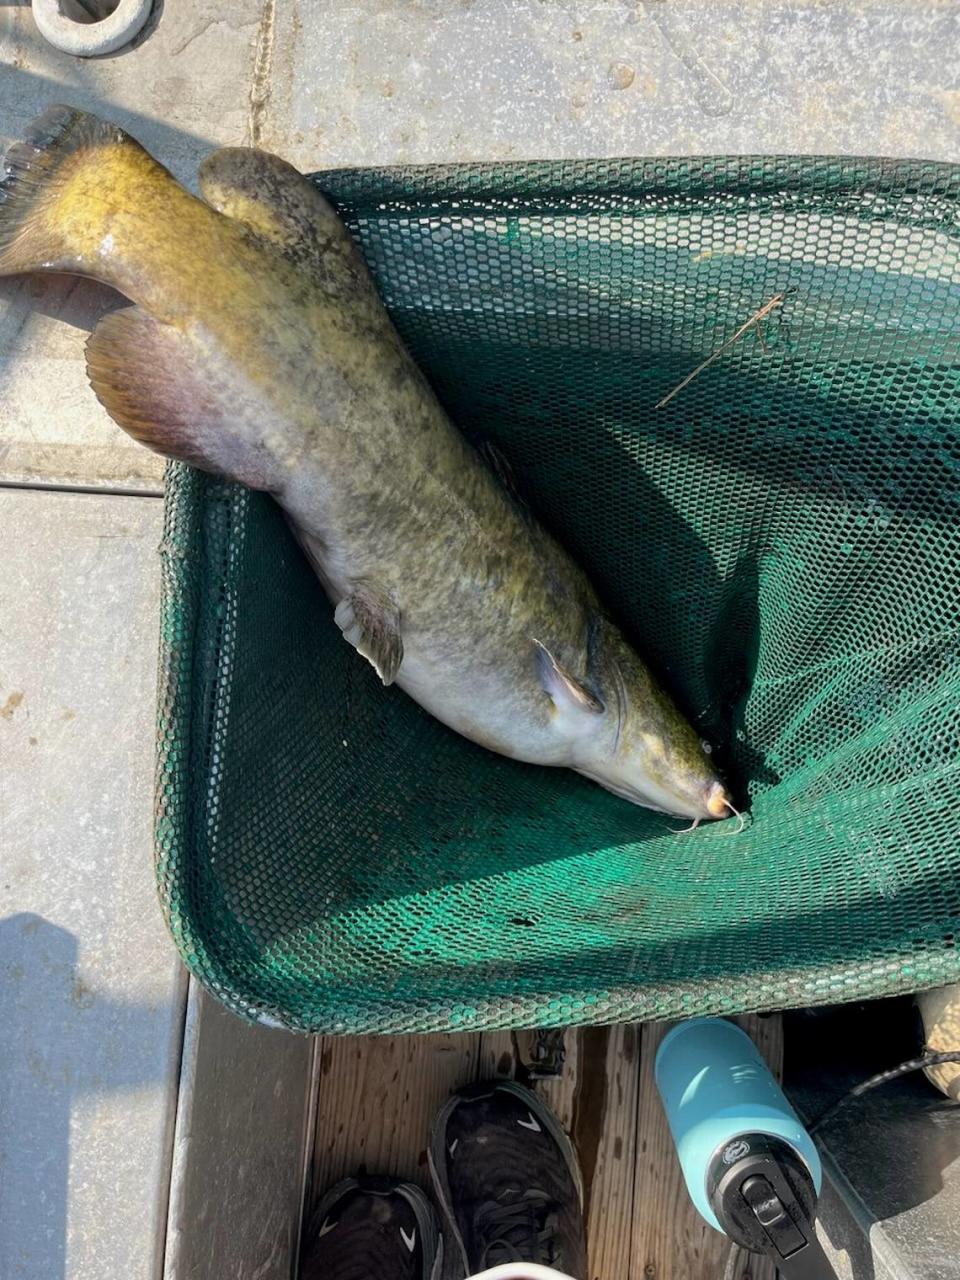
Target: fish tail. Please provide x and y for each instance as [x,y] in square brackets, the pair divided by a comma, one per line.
[54,194]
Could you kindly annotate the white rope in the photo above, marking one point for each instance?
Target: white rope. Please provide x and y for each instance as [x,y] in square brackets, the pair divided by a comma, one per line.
[521,1271]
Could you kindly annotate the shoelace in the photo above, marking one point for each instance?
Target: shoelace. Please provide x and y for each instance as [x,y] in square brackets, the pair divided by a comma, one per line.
[522,1228]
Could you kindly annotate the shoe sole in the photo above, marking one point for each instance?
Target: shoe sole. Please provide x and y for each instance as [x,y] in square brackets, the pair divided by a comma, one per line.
[423,1211]
[521,1271]
[437,1156]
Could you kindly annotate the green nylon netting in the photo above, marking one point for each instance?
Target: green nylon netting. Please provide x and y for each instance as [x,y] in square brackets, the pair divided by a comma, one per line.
[782,540]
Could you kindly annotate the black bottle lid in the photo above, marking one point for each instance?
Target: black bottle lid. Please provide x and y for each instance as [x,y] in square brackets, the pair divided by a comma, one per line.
[764,1198]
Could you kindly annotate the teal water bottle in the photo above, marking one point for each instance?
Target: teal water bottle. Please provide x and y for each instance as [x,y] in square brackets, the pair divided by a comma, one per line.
[750,1166]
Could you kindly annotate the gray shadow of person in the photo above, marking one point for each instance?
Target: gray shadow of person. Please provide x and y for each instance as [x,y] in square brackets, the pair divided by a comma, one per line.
[61,1042]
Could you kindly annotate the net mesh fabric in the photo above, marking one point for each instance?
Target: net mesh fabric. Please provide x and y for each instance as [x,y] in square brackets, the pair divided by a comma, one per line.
[782,541]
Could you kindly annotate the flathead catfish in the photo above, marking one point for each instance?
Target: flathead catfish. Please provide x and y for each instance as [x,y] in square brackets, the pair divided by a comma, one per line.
[258,348]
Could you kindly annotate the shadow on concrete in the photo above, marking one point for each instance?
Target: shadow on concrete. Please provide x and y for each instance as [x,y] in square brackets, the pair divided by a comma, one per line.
[61,1043]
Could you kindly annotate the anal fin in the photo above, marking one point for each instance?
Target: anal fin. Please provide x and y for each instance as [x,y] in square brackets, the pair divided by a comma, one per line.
[161,389]
[370,620]
[138,373]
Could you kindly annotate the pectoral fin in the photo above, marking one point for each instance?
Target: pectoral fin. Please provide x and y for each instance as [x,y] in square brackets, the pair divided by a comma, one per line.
[370,619]
[570,696]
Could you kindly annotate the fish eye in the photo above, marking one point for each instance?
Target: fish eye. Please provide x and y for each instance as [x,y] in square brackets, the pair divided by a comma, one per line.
[707,749]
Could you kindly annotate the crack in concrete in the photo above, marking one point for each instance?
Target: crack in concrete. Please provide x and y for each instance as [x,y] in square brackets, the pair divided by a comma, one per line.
[205,27]
[260,87]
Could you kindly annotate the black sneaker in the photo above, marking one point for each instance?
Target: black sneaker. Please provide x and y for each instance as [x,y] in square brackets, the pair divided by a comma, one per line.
[507,1178]
[372,1229]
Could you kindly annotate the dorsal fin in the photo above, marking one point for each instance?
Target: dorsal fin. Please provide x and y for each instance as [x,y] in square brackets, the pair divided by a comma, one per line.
[494,457]
[278,204]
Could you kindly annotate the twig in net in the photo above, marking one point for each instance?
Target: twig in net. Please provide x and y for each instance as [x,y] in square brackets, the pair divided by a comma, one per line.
[755,319]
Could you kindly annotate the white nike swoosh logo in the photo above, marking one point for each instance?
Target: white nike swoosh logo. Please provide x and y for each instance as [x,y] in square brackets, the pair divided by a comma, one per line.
[532,1124]
[327,1227]
[409,1240]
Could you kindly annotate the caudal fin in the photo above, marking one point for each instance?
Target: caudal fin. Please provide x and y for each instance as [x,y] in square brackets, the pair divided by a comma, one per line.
[48,220]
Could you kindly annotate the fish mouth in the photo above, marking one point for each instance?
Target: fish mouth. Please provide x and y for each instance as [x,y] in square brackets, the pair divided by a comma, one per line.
[718,802]
[659,799]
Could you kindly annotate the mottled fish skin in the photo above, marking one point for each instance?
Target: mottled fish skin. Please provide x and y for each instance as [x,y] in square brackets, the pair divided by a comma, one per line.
[259,349]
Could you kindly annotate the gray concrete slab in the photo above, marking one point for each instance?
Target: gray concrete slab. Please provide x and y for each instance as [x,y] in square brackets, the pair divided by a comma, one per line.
[387,81]
[242,1145]
[91,990]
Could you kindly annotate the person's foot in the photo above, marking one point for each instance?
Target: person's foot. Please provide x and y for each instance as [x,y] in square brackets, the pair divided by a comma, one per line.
[507,1178]
[372,1229]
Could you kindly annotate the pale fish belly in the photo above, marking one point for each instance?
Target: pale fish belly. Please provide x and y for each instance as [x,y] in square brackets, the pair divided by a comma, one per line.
[501,705]
[497,710]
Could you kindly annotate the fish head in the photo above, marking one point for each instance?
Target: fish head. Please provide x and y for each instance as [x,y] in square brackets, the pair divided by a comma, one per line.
[633,741]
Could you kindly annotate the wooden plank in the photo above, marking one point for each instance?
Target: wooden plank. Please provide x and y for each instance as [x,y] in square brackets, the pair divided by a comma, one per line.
[670,1239]
[377,1098]
[608,1094]
[497,1058]
[585,1054]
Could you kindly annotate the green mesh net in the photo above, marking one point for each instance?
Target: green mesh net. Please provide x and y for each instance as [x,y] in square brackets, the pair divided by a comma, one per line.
[782,540]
